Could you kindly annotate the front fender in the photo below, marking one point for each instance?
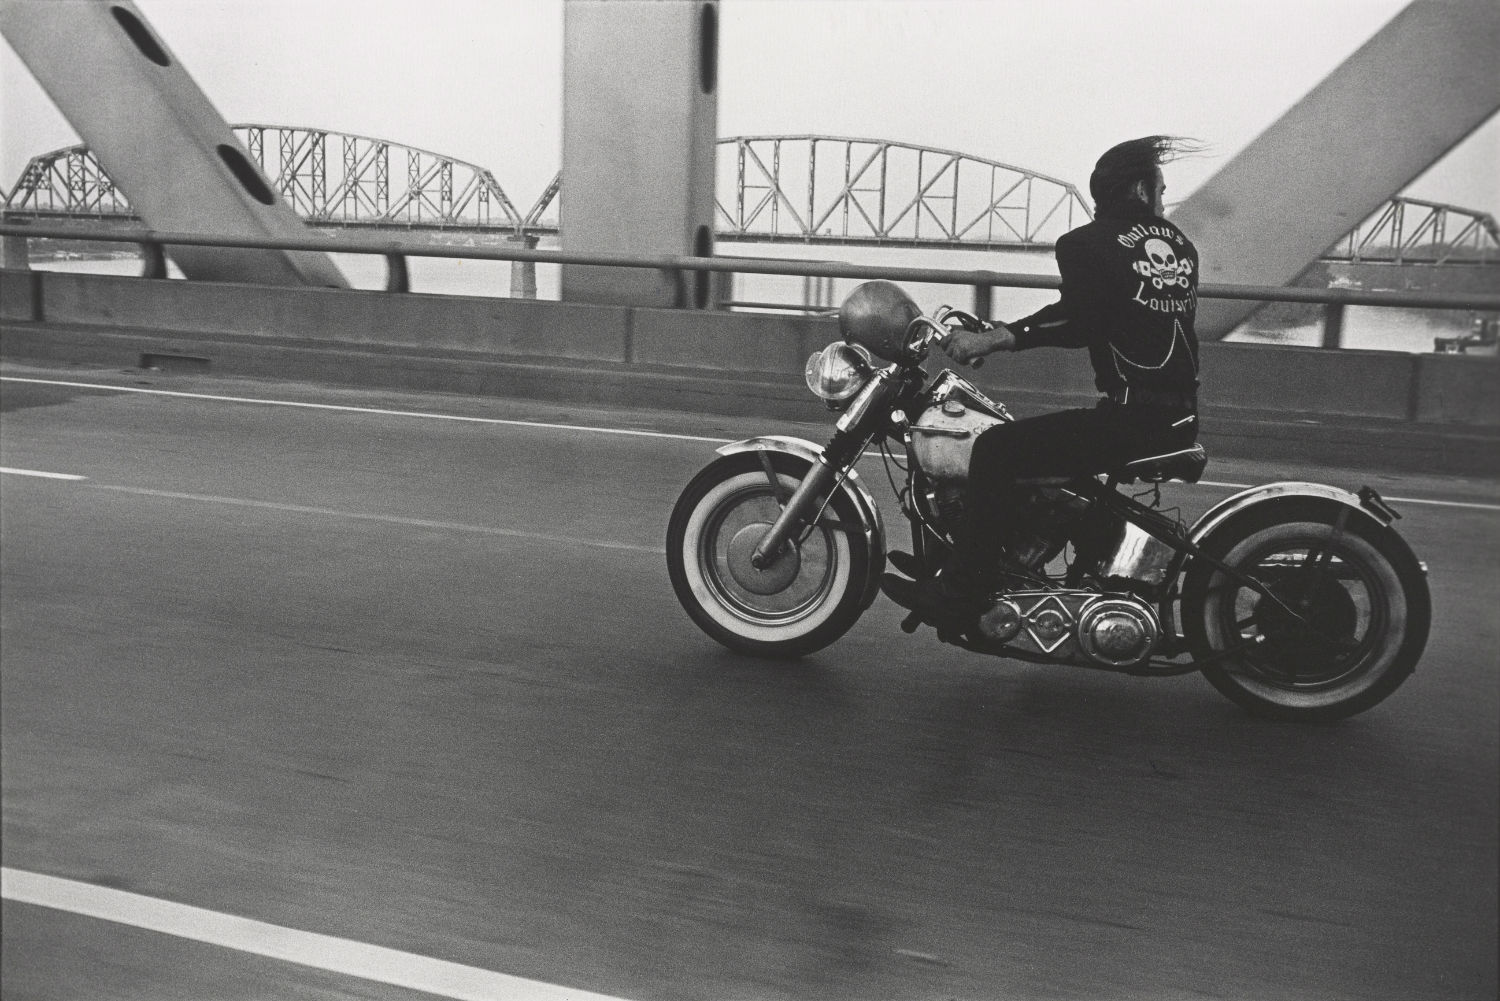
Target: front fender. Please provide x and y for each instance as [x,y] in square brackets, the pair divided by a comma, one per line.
[871,524]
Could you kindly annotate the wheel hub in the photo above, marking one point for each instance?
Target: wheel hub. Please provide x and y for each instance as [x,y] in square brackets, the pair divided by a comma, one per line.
[1299,651]
[778,573]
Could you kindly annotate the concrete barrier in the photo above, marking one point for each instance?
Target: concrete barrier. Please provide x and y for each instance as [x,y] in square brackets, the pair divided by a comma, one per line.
[519,327]
[1458,389]
[20,296]
[1432,412]
[1309,382]
[728,342]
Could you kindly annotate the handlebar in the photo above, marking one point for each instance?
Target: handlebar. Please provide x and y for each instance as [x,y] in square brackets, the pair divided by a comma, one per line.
[942,326]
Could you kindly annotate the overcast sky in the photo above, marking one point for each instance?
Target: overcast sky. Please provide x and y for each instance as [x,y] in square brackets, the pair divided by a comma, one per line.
[1046,86]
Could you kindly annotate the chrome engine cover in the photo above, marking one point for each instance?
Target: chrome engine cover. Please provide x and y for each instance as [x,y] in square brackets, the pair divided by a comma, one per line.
[1117,631]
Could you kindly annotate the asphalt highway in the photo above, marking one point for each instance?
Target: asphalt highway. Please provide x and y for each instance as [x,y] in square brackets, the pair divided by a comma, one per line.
[334,661]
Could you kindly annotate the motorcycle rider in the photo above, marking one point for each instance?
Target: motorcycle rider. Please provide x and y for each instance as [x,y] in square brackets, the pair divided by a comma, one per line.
[1128,295]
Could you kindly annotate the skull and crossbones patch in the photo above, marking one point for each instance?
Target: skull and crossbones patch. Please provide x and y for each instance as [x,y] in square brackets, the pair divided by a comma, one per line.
[1162,266]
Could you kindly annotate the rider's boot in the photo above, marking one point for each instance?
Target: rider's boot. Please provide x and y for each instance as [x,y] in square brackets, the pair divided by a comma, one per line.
[956,596]
[940,600]
[979,565]
[908,564]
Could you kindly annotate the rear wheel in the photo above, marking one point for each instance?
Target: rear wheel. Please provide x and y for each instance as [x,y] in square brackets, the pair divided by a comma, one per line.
[1345,626]
[804,600]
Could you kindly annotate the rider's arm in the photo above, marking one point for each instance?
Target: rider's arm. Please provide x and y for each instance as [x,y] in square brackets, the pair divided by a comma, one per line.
[1070,322]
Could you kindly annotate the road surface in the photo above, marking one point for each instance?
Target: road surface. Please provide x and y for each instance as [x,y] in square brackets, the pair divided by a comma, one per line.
[339,663]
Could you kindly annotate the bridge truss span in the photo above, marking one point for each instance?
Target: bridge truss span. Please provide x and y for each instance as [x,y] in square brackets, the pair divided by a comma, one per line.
[842,190]
[1413,231]
[336,178]
[808,189]
[328,178]
[69,183]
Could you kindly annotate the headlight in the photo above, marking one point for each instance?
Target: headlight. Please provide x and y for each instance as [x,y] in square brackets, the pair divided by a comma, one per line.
[839,371]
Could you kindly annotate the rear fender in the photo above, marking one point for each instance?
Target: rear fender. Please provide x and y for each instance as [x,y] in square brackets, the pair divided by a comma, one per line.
[871,526]
[1326,501]
[1288,492]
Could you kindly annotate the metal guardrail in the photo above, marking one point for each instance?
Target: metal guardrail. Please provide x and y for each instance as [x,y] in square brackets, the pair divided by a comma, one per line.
[396,252]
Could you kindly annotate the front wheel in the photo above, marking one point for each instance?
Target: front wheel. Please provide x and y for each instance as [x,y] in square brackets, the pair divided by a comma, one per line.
[804,600]
[1364,615]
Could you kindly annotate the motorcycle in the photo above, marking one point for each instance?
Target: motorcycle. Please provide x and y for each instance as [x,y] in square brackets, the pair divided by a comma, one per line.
[1295,600]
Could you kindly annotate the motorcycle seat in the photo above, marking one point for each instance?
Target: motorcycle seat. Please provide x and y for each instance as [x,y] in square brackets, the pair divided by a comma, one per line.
[1185,464]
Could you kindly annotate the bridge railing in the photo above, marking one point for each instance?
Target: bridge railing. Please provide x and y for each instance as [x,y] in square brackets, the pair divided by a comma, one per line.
[691,274]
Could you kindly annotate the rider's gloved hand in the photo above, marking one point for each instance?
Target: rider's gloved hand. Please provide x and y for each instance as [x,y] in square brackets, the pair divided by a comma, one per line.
[966,346]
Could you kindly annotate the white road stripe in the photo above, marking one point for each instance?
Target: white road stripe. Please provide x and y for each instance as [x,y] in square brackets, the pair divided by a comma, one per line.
[593,429]
[390,519]
[1442,503]
[459,418]
[1470,505]
[323,952]
[45,476]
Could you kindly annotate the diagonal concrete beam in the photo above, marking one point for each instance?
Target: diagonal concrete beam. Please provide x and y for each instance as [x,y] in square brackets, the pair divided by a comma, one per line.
[1414,91]
[159,137]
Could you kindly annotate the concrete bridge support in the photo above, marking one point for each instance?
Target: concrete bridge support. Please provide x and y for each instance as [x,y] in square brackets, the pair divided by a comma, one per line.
[640,122]
[14,255]
[523,273]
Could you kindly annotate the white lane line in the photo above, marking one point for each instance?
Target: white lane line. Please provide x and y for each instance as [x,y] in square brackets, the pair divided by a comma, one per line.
[593,429]
[322,952]
[39,473]
[458,418]
[1470,505]
[450,526]
[1442,503]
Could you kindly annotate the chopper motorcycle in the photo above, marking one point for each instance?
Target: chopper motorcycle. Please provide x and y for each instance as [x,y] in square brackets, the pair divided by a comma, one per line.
[1295,600]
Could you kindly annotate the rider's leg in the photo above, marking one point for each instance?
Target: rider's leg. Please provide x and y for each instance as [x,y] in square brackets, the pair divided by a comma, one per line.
[1060,445]
[1049,445]
[1066,444]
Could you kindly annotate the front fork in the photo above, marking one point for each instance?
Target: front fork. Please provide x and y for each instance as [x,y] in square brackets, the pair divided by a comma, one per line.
[805,502]
[852,434]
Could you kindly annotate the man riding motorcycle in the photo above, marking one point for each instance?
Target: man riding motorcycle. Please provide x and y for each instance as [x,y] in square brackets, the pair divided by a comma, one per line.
[1128,295]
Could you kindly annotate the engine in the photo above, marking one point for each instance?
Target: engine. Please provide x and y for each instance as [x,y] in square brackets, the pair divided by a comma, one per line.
[942,442]
[1116,631]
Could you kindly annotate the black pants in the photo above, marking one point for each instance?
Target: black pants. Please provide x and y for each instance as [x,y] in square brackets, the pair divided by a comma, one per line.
[1069,443]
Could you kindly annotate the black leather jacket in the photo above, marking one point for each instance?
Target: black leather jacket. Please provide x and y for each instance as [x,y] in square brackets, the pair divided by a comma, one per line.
[1129,294]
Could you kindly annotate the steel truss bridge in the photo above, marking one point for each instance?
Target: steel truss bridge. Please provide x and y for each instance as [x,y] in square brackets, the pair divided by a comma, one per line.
[771,189]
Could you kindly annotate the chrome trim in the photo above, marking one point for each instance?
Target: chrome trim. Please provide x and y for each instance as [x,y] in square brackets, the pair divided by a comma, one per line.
[1196,451]
[859,409]
[1230,506]
[1129,607]
[1138,555]
[949,383]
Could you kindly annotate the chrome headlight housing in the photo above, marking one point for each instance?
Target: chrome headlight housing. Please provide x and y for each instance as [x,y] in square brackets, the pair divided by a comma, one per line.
[839,371]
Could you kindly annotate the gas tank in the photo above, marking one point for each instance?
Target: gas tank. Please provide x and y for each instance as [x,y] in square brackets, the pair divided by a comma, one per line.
[943,438]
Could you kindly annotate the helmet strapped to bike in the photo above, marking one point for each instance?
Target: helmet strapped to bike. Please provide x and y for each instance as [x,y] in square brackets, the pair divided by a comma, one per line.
[876,316]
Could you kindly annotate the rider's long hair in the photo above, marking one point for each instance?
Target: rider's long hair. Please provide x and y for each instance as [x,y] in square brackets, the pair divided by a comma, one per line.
[1123,165]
